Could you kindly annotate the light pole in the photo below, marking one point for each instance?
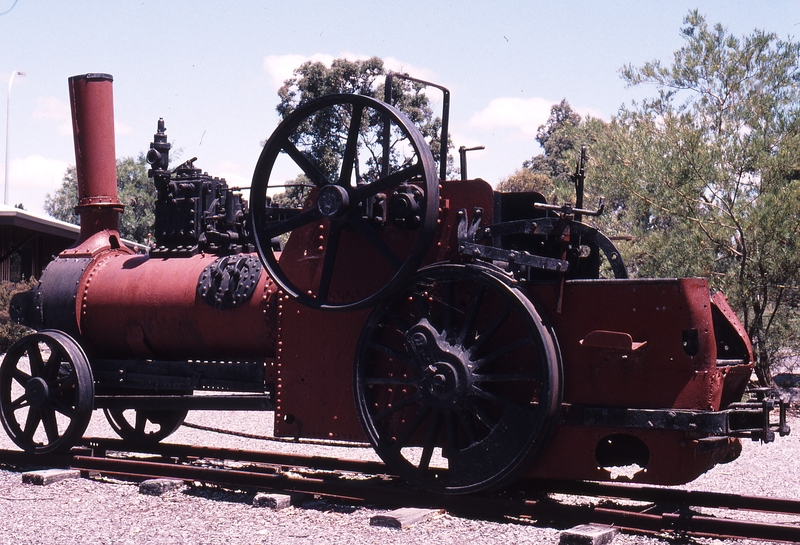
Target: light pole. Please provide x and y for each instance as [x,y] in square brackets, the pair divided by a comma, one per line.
[8,111]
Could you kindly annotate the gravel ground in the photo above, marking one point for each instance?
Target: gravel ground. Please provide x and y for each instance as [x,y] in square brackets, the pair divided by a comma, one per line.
[102,512]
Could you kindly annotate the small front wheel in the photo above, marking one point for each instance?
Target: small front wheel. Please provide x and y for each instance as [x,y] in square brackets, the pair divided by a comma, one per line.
[46,392]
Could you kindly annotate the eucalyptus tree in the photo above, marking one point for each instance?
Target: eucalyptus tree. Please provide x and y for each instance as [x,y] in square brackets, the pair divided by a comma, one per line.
[706,174]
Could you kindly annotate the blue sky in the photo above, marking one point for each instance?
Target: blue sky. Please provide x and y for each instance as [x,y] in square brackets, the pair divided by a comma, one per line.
[212,69]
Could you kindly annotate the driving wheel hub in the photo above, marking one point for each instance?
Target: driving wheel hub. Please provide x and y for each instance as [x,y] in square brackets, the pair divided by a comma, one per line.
[37,392]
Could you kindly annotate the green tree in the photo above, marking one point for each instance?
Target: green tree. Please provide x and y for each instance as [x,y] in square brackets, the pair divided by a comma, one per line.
[136,192]
[558,140]
[705,174]
[525,179]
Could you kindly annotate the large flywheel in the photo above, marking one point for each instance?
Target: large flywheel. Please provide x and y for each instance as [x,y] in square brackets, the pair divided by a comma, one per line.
[361,216]
[457,380]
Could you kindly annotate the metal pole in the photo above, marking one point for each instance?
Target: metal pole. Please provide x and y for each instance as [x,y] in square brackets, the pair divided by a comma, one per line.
[8,112]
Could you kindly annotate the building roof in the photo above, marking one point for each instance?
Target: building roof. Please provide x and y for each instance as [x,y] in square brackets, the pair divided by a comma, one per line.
[17,217]
[43,224]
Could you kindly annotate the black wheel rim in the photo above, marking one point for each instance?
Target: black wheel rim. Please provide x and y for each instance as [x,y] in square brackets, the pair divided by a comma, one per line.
[457,380]
[338,200]
[147,427]
[46,392]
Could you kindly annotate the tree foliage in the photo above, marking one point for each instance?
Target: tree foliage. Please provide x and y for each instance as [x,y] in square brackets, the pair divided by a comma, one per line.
[525,179]
[557,138]
[136,192]
[706,174]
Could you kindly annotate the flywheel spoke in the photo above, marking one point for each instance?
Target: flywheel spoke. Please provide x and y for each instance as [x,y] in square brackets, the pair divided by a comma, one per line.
[330,259]
[304,218]
[381,185]
[351,148]
[309,169]
[385,251]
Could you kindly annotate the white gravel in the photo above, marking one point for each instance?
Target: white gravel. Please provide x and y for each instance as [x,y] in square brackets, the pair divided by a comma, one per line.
[101,512]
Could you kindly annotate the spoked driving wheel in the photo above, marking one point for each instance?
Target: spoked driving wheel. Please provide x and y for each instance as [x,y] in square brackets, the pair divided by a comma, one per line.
[46,392]
[143,426]
[457,380]
[361,215]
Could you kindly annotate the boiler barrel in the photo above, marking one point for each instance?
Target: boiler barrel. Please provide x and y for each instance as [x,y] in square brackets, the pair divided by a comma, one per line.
[151,308]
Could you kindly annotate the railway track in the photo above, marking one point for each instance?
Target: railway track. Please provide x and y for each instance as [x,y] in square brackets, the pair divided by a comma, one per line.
[555,503]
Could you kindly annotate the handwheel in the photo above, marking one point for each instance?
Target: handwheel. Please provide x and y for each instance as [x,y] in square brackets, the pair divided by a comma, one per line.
[148,427]
[457,380]
[46,392]
[362,228]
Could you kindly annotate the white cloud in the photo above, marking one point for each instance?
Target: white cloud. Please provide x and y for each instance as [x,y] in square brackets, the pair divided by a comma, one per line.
[523,115]
[32,178]
[56,111]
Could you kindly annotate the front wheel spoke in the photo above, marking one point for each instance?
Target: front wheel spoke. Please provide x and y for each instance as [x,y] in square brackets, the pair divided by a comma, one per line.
[19,403]
[50,425]
[51,367]
[20,376]
[60,406]
[410,400]
[31,423]
[499,353]
[35,359]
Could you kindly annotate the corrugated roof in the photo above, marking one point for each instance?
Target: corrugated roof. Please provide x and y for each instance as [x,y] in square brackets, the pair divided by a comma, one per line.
[10,215]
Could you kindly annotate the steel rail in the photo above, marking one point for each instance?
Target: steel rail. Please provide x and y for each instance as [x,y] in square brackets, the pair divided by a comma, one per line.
[525,487]
[390,491]
[382,488]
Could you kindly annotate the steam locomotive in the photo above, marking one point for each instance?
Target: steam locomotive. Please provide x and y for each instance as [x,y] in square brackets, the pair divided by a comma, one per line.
[471,337]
